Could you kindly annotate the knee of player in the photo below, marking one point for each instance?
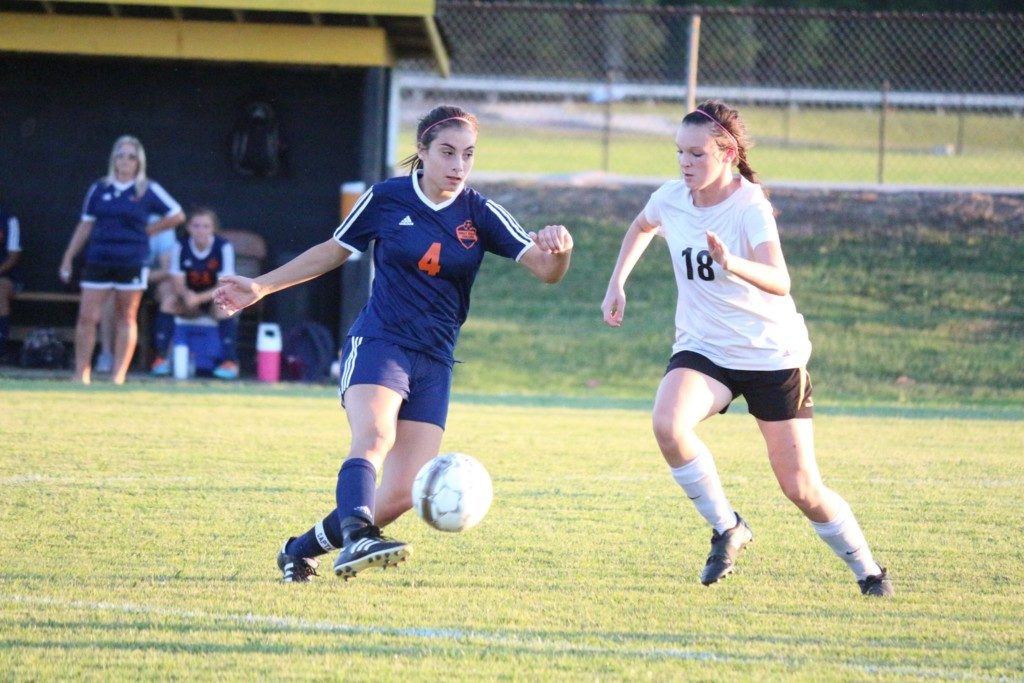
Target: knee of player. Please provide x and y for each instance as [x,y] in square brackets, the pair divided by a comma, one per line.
[801,488]
[373,445]
[669,433]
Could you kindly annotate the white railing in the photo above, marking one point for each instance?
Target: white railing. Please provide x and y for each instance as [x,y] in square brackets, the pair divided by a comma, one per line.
[491,87]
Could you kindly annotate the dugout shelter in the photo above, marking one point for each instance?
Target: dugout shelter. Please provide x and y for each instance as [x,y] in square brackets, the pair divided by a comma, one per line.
[184,77]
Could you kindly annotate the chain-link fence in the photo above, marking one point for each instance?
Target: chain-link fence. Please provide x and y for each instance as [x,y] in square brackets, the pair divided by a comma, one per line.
[829,97]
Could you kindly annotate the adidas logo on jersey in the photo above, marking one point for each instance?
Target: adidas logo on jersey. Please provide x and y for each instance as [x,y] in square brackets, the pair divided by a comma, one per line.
[405,221]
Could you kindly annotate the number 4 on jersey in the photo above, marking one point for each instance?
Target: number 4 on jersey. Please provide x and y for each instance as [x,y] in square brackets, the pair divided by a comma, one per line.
[430,262]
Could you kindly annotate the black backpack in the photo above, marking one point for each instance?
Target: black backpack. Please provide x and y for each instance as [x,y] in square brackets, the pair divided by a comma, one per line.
[43,349]
[307,352]
[256,142]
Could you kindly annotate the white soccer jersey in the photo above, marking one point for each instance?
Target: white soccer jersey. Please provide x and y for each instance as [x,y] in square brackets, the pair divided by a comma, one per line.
[719,315]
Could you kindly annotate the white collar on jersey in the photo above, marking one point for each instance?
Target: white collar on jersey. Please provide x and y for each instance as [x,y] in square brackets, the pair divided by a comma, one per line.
[195,250]
[426,200]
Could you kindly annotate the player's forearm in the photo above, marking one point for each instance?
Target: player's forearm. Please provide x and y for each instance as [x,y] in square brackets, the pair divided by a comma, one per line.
[554,267]
[311,263]
[165,223]
[766,277]
[634,244]
[78,240]
[204,297]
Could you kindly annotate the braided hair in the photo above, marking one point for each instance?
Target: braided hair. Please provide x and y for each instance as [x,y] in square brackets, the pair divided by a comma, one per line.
[728,131]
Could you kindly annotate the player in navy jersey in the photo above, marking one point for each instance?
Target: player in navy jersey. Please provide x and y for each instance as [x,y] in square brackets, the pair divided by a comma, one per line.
[114,230]
[197,262]
[10,255]
[430,234]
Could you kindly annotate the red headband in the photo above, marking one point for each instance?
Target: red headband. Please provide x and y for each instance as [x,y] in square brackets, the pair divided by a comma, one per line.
[715,121]
[450,118]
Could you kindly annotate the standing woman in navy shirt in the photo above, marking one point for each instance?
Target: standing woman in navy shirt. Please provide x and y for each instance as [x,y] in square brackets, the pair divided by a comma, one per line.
[431,233]
[115,231]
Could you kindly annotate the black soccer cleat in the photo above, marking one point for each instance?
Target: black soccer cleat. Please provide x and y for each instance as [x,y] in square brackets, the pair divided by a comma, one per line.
[296,569]
[724,549]
[366,548]
[879,585]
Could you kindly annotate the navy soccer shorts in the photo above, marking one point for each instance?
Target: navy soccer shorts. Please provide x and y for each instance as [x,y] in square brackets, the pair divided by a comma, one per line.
[114,277]
[423,382]
[772,395]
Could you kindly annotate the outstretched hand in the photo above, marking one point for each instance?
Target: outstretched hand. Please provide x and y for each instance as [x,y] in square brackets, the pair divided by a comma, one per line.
[719,252]
[553,239]
[235,292]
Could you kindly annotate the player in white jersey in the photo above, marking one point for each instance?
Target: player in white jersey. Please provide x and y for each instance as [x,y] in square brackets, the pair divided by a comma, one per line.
[737,333]
[430,233]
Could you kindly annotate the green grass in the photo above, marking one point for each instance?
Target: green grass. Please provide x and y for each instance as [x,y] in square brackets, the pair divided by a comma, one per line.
[816,145]
[911,315]
[140,527]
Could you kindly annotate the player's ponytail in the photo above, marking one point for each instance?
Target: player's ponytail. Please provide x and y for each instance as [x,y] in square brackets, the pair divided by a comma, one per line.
[436,120]
[729,132]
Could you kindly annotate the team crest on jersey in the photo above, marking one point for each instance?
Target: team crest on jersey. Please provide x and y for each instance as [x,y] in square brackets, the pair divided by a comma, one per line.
[466,234]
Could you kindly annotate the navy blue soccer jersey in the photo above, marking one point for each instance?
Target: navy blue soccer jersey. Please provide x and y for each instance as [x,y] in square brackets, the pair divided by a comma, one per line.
[120,218]
[426,257]
[201,269]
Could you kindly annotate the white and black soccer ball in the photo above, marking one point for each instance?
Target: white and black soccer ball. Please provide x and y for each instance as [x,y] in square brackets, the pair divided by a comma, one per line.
[452,492]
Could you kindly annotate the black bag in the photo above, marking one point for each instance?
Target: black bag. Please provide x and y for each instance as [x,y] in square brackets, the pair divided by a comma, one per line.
[307,352]
[43,349]
[256,142]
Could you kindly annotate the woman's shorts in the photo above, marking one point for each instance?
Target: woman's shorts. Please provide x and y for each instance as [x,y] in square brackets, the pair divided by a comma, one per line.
[127,279]
[423,382]
[772,395]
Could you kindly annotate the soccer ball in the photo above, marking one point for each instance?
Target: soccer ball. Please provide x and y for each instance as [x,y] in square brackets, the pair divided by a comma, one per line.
[452,492]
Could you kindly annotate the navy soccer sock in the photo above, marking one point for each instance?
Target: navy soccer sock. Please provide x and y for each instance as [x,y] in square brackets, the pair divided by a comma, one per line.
[163,330]
[322,538]
[357,483]
[5,329]
[228,329]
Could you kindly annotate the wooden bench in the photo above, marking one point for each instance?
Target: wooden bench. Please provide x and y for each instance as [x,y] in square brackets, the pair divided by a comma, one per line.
[59,310]
[61,315]
[62,321]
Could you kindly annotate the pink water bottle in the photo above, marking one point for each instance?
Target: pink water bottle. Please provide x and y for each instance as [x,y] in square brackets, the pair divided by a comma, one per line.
[268,352]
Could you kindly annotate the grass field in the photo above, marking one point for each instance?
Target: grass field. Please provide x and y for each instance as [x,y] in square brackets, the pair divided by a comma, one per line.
[141,523]
[909,315]
[808,145]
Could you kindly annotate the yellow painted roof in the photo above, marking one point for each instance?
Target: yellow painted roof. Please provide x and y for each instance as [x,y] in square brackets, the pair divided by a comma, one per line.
[408,8]
[338,32]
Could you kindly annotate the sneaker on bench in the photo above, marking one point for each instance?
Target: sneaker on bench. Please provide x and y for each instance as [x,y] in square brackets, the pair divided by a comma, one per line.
[226,370]
[161,367]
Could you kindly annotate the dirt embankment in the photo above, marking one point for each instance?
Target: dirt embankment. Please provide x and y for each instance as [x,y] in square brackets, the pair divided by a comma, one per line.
[800,211]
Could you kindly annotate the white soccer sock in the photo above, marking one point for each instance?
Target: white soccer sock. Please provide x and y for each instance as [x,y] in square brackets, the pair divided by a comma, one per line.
[699,479]
[847,541]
